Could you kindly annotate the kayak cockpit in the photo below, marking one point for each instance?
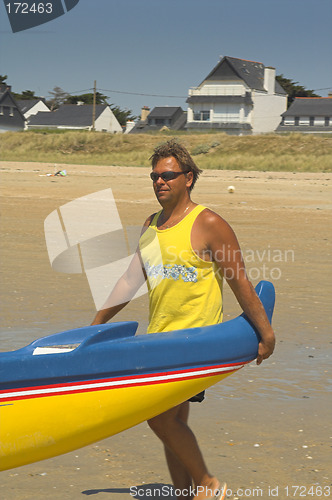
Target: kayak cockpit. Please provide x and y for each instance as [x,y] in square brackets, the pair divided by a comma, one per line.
[70,340]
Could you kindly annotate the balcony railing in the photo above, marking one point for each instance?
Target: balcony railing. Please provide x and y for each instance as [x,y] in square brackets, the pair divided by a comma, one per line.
[214,90]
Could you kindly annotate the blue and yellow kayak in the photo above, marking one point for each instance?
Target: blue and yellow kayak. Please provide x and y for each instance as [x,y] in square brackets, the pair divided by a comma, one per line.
[70,389]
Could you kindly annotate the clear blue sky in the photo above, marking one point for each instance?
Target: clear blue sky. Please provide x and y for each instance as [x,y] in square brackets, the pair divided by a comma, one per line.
[166,46]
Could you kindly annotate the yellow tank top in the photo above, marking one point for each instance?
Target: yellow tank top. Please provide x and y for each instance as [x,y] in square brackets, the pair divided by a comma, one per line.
[185,291]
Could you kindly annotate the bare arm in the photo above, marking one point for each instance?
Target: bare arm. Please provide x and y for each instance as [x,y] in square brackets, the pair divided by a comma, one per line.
[254,310]
[225,250]
[123,292]
[125,288]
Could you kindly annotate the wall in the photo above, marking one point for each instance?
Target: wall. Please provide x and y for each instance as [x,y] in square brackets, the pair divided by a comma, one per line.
[107,121]
[267,111]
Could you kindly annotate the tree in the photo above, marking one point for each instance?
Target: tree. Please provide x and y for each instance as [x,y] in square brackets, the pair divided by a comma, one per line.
[122,115]
[59,98]
[25,95]
[293,89]
[86,98]
[3,79]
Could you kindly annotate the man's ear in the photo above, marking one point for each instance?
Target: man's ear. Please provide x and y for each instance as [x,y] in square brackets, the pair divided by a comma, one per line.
[190,178]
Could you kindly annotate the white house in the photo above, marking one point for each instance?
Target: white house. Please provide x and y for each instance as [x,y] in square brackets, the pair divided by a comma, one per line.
[238,97]
[308,115]
[32,106]
[77,117]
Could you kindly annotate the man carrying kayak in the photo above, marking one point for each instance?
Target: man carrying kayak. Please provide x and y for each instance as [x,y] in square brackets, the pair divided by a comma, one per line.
[185,252]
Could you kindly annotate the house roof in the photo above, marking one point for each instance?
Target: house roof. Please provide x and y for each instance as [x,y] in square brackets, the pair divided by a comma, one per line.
[310,106]
[5,95]
[70,115]
[26,104]
[164,111]
[180,122]
[251,72]
[173,113]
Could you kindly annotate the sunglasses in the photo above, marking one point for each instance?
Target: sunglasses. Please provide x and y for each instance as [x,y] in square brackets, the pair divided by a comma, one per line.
[166,176]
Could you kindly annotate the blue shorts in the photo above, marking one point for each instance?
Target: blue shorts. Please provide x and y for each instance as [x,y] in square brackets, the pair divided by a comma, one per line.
[198,398]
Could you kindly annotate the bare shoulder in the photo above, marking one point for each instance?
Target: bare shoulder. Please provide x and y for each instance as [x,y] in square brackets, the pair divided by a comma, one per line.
[212,221]
[147,223]
[149,220]
[214,230]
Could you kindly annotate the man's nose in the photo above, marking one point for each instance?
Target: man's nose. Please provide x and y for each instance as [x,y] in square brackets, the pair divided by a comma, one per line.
[160,181]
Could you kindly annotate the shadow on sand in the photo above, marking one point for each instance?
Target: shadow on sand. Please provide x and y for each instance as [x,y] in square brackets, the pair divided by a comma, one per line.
[154,491]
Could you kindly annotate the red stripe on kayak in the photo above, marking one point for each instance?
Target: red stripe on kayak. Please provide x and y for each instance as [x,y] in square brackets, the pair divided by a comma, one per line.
[130,382]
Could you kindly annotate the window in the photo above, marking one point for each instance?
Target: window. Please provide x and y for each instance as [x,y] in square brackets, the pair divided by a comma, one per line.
[311,121]
[11,111]
[202,116]
[327,121]
[227,113]
[296,120]
[1,110]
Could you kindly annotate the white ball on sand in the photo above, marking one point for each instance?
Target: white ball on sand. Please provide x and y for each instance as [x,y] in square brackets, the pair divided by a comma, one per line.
[231,189]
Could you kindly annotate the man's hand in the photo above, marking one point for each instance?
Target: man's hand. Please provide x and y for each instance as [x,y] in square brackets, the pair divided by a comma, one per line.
[265,349]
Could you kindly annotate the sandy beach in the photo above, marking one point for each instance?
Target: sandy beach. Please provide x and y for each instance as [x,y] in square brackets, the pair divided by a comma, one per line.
[265,430]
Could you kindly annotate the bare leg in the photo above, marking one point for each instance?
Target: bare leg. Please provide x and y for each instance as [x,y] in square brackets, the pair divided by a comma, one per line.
[183,455]
[180,477]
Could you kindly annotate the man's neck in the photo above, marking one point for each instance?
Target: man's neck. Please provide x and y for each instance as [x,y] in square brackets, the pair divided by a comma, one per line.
[172,215]
[170,209]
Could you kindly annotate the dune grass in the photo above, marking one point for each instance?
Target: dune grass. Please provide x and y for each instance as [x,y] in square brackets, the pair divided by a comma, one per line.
[270,152]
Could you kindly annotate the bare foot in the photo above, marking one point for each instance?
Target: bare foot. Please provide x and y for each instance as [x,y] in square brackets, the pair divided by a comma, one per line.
[211,489]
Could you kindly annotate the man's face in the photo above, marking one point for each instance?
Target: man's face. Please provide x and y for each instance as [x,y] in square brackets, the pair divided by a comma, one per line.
[172,190]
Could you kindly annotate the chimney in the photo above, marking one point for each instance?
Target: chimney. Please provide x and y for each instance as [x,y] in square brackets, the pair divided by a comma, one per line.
[4,87]
[269,79]
[144,113]
[130,124]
